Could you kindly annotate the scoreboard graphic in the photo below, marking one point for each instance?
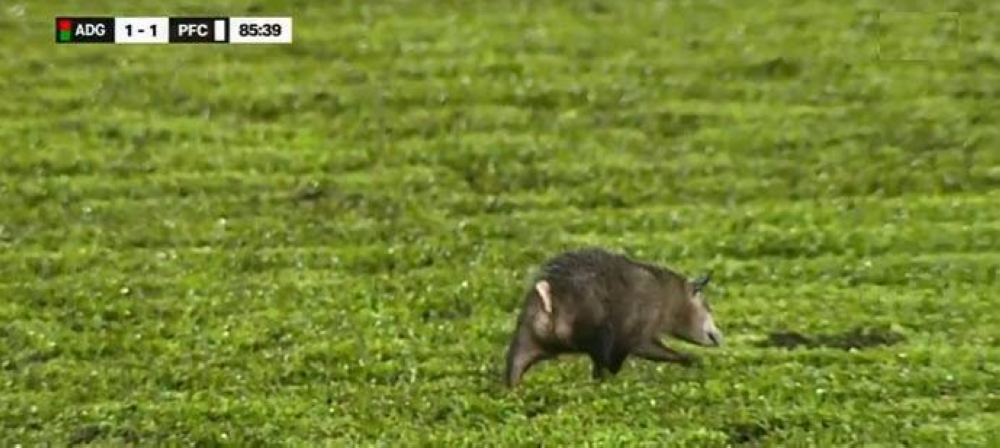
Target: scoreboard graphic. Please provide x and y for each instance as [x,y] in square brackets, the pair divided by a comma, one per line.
[173,30]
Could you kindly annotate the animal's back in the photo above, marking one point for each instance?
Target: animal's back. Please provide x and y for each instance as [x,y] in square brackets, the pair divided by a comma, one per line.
[586,275]
[596,286]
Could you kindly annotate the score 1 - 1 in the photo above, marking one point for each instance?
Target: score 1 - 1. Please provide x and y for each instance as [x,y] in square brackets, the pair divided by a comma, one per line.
[142,30]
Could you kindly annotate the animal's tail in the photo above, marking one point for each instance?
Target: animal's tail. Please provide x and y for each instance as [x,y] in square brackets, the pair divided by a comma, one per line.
[533,326]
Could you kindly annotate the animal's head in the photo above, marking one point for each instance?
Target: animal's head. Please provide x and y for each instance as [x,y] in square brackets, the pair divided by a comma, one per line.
[693,322]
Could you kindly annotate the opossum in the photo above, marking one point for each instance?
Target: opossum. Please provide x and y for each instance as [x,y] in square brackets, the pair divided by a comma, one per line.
[608,306]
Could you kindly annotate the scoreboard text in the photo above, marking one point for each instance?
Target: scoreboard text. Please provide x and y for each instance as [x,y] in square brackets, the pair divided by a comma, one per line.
[173,30]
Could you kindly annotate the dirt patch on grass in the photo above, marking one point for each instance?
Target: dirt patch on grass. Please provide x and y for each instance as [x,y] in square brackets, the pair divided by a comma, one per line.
[85,434]
[746,433]
[857,339]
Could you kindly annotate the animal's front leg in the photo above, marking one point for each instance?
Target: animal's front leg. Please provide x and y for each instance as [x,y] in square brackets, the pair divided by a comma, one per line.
[612,353]
[616,361]
[655,350]
[597,372]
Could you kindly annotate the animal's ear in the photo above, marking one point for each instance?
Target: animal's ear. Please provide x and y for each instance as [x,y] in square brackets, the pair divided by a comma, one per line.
[701,282]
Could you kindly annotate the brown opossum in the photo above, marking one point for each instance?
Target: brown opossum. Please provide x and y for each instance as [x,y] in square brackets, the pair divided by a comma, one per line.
[608,306]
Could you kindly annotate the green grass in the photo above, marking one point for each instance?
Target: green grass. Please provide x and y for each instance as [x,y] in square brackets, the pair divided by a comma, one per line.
[325,243]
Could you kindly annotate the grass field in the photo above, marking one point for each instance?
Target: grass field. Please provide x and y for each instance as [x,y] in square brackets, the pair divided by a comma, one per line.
[326,243]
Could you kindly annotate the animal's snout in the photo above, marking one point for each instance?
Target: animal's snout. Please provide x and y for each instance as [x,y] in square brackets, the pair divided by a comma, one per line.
[710,336]
[715,337]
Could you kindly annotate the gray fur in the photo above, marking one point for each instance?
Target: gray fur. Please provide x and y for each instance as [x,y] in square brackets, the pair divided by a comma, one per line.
[607,306]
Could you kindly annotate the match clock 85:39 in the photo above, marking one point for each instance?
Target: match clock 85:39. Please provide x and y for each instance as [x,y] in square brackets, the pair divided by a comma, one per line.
[260,29]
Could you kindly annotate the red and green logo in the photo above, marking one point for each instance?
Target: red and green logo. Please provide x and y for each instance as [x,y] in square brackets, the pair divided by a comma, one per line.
[64,26]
